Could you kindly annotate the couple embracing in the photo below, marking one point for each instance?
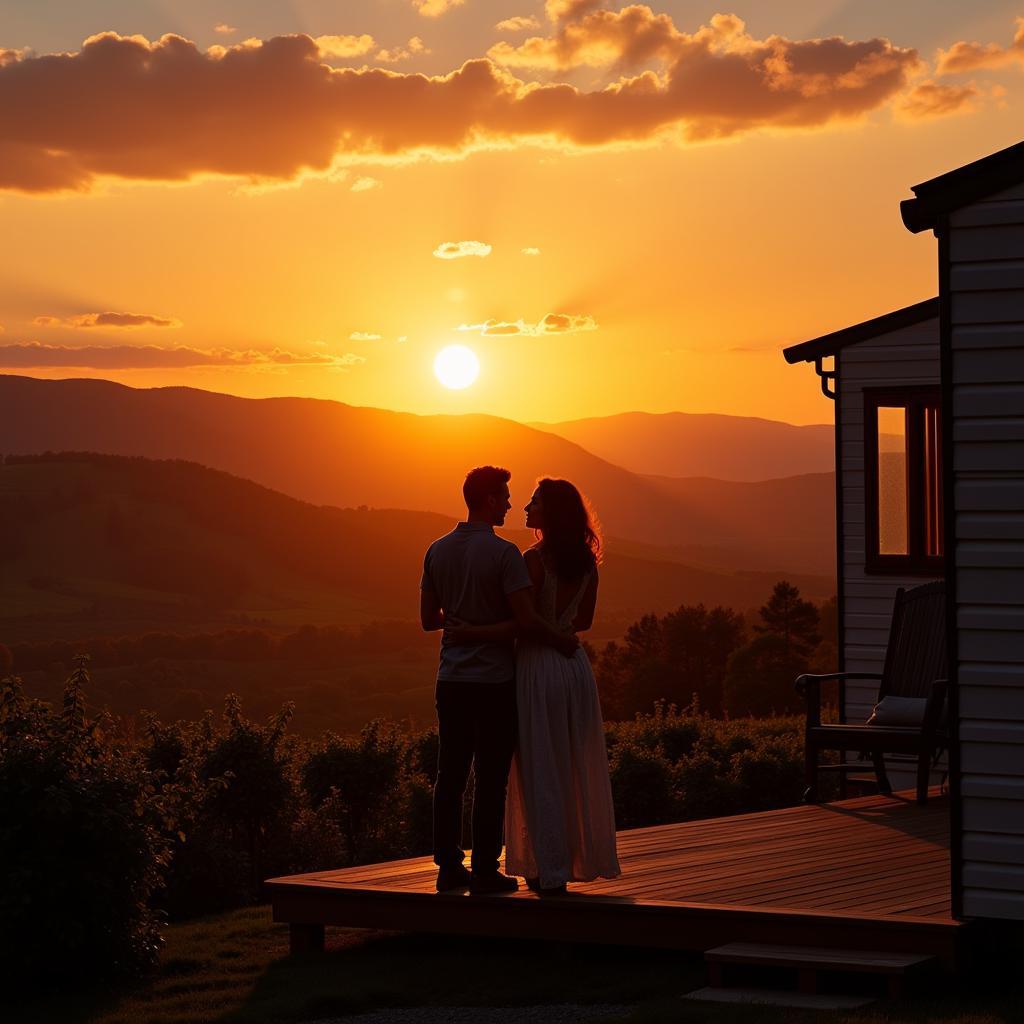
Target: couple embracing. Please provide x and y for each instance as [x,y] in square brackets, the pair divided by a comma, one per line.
[516,696]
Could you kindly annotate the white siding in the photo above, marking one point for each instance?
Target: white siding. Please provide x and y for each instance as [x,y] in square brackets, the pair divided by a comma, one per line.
[986,276]
[907,356]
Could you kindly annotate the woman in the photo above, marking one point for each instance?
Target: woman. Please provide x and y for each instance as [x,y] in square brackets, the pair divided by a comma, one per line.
[559,818]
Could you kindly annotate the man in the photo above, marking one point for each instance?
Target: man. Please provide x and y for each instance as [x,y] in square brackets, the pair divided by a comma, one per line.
[474,577]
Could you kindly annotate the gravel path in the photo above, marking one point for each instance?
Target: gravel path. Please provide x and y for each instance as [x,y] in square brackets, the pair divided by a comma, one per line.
[558,1013]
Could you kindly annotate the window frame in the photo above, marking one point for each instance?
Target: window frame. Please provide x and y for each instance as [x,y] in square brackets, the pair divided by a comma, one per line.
[915,398]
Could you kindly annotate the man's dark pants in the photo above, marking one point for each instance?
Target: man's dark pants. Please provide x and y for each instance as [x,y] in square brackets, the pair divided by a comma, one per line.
[476,724]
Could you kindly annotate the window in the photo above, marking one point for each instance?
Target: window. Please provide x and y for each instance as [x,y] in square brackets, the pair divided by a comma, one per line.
[903,481]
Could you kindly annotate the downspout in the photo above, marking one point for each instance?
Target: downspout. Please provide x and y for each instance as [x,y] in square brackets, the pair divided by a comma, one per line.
[828,377]
[830,389]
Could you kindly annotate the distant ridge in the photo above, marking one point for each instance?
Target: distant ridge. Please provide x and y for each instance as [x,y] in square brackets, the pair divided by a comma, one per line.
[681,444]
[329,453]
[98,544]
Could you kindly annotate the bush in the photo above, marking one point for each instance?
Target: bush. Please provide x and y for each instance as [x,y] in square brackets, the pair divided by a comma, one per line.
[641,785]
[233,802]
[94,825]
[677,765]
[364,784]
[83,843]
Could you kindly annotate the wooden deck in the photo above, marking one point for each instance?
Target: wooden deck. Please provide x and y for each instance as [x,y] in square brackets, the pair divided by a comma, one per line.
[869,873]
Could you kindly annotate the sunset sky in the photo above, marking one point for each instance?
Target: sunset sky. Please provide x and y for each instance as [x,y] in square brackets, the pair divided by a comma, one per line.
[615,207]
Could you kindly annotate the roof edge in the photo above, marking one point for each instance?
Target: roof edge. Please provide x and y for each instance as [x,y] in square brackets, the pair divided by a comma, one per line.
[829,344]
[963,186]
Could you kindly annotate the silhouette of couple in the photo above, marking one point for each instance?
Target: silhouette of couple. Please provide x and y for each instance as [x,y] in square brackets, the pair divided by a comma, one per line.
[516,696]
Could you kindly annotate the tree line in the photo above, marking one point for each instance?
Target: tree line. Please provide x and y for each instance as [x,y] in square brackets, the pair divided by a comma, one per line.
[711,660]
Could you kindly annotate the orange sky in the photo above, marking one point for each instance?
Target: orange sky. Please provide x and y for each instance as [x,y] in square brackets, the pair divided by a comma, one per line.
[664,196]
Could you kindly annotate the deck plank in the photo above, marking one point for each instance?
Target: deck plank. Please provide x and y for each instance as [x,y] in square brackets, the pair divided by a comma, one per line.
[810,872]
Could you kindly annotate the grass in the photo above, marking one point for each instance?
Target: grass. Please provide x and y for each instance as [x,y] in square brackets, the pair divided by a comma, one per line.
[235,969]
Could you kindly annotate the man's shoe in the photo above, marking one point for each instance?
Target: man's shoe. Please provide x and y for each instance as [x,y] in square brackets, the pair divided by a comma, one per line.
[453,878]
[491,882]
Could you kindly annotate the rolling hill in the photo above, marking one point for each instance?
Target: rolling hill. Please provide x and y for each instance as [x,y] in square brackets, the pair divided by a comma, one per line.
[680,444]
[334,454]
[96,544]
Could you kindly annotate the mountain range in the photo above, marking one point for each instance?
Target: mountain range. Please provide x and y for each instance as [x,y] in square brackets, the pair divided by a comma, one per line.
[681,444]
[101,545]
[329,453]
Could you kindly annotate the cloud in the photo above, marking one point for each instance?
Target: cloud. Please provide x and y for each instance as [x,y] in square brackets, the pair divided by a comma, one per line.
[626,39]
[530,250]
[519,23]
[141,357]
[224,29]
[929,99]
[107,320]
[344,46]
[964,56]
[553,323]
[363,336]
[456,250]
[568,10]
[435,8]
[365,184]
[412,48]
[125,107]
[11,56]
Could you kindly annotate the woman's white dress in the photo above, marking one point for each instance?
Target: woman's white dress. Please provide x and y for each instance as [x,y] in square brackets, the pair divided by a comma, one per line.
[559,818]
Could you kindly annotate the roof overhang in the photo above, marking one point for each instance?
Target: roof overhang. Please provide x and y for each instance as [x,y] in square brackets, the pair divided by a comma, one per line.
[829,344]
[965,185]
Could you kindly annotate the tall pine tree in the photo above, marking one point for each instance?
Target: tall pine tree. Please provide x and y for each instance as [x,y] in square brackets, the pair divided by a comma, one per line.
[791,619]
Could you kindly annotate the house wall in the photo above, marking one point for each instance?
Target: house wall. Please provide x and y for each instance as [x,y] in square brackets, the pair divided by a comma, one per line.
[907,356]
[986,287]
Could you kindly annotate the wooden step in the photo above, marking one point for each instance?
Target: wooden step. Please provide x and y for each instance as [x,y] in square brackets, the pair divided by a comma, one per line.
[773,997]
[810,961]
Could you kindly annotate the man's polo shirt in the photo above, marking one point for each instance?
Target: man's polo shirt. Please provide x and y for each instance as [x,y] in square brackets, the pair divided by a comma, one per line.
[471,571]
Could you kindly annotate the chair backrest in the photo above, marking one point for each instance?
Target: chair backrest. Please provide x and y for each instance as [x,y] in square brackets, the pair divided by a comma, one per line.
[916,655]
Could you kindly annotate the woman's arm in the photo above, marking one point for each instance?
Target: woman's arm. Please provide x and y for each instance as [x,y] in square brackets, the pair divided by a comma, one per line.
[585,613]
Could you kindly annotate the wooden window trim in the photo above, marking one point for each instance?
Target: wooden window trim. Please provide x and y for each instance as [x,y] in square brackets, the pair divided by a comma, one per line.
[916,562]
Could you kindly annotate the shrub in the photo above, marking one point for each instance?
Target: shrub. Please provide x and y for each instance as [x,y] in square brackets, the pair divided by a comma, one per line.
[770,773]
[233,800]
[705,791]
[364,783]
[641,785]
[677,765]
[82,843]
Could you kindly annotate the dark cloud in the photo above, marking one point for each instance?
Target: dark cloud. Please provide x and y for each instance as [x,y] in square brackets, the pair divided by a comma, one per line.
[166,110]
[31,354]
[109,319]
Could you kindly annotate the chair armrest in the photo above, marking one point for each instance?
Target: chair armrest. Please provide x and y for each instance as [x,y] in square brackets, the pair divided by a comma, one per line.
[810,686]
[803,681]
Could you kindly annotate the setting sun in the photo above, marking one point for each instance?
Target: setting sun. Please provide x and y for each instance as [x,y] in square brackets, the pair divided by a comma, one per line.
[456,366]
